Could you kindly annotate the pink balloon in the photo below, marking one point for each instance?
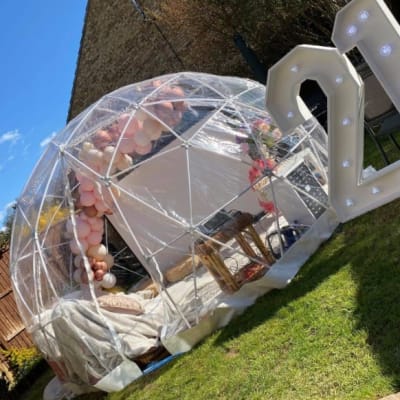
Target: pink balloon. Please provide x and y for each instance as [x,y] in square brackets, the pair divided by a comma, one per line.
[82,228]
[164,110]
[86,185]
[142,139]
[85,278]
[75,248]
[127,145]
[143,150]
[133,127]
[82,216]
[122,120]
[78,176]
[178,92]
[94,238]
[97,192]
[87,199]
[96,224]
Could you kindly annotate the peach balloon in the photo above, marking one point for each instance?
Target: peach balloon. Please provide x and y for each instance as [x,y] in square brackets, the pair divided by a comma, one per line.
[94,158]
[142,139]
[108,153]
[87,146]
[114,131]
[164,110]
[99,265]
[152,128]
[99,274]
[125,162]
[143,150]
[157,83]
[87,199]
[141,115]
[109,260]
[98,252]
[101,139]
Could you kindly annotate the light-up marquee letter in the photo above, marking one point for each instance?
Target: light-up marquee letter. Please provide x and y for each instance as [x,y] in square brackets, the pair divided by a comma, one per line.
[369,25]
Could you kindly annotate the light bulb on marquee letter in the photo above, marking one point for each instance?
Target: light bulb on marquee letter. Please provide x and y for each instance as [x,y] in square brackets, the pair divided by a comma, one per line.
[377,35]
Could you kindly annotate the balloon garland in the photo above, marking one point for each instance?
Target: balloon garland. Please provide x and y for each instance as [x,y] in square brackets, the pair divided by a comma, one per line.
[110,150]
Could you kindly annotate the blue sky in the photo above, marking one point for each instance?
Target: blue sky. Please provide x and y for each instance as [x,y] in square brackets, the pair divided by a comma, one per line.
[39,46]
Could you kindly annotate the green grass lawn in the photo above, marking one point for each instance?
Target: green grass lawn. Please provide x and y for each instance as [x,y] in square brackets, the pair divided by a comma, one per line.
[333,333]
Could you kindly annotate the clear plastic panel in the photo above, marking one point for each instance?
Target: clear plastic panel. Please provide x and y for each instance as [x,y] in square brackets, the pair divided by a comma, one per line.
[154,207]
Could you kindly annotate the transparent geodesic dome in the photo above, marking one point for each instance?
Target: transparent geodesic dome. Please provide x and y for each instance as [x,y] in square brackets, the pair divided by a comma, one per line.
[160,204]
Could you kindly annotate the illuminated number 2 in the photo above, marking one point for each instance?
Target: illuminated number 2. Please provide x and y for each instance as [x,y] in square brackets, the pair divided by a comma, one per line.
[369,25]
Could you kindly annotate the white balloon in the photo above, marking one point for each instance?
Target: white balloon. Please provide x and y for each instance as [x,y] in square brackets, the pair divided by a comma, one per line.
[77,275]
[109,280]
[77,261]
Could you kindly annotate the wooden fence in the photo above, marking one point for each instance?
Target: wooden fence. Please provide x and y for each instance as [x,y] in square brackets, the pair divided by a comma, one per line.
[12,330]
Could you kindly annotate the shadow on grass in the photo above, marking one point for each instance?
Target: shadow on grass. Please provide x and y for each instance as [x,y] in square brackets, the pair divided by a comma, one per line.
[376,269]
[320,266]
[370,245]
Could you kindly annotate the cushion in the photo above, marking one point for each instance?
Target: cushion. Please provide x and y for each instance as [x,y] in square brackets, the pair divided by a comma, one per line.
[120,303]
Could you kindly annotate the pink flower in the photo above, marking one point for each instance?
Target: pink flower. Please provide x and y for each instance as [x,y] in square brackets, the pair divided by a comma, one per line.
[254,174]
[267,206]
[258,168]
[263,164]
[276,134]
[261,125]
